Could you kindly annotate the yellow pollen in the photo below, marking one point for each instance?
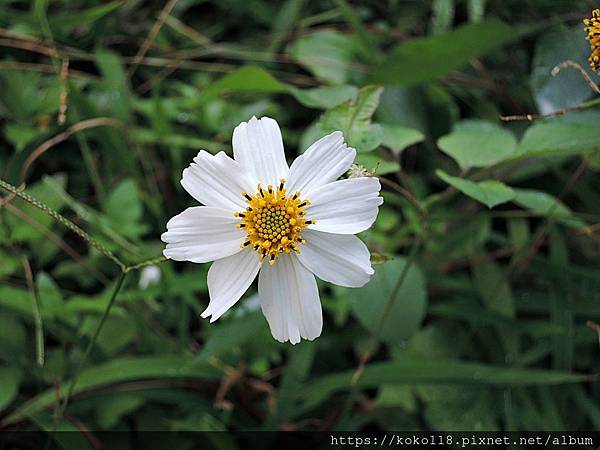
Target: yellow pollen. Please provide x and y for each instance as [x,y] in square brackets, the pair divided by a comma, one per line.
[592,28]
[273,221]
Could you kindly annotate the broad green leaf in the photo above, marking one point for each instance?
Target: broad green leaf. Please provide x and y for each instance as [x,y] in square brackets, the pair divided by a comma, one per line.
[125,208]
[428,58]
[246,79]
[20,135]
[558,138]
[546,205]
[231,334]
[325,97]
[257,80]
[411,371]
[10,378]
[567,88]
[354,120]
[397,137]
[114,80]
[408,301]
[478,144]
[489,192]
[328,54]
[120,370]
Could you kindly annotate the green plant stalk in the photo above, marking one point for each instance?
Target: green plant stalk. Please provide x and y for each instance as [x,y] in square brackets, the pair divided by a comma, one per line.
[91,344]
[37,315]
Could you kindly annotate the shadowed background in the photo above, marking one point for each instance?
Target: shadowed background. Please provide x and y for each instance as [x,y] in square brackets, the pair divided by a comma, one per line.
[485,250]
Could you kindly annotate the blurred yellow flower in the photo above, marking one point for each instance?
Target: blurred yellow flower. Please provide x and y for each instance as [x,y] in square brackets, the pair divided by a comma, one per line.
[592,28]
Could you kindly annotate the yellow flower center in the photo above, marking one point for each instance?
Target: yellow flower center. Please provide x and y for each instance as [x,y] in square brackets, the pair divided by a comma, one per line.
[592,27]
[274,221]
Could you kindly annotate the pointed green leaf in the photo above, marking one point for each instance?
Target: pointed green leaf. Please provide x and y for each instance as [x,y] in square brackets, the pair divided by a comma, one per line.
[489,192]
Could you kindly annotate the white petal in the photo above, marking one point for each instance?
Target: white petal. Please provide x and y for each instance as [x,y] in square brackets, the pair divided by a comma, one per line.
[289,299]
[341,259]
[201,234]
[323,162]
[258,147]
[228,279]
[217,180]
[345,206]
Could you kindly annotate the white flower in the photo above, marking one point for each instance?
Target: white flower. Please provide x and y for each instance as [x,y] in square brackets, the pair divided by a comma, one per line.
[255,221]
[150,275]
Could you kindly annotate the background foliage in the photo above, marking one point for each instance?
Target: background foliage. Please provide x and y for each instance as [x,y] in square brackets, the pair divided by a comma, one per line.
[486,247]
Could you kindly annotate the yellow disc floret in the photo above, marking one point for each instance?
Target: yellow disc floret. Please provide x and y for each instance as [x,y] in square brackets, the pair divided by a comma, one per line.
[592,27]
[273,221]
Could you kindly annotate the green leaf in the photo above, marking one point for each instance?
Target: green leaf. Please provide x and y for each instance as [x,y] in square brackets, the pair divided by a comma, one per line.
[546,205]
[231,334]
[489,192]
[558,138]
[125,208]
[354,120]
[120,370]
[325,97]
[397,137]
[567,88]
[369,303]
[409,370]
[328,54]
[252,79]
[115,82]
[20,135]
[428,58]
[246,79]
[11,378]
[478,144]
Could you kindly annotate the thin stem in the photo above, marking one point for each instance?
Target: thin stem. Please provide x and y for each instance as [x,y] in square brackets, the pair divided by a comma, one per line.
[37,315]
[149,262]
[151,36]
[92,343]
[386,310]
[64,221]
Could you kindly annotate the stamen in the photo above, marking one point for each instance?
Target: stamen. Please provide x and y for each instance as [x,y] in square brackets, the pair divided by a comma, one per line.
[273,221]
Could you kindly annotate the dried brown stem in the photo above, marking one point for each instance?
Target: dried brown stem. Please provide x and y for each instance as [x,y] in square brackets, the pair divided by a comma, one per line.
[162,17]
